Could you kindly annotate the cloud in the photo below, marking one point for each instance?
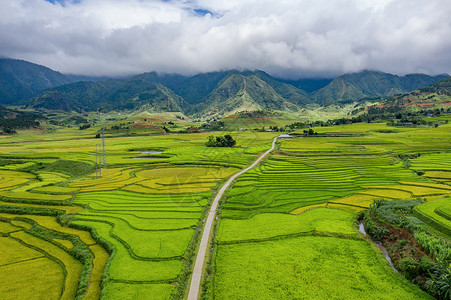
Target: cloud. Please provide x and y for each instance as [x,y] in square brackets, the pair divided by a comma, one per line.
[297,38]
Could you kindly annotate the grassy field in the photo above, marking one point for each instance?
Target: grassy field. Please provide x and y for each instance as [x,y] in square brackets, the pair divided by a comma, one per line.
[150,223]
[311,267]
[129,232]
[133,231]
[262,226]
[275,241]
[315,255]
[361,163]
[28,263]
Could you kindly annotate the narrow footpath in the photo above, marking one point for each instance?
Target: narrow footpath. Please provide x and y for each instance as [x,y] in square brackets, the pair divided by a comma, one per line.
[198,265]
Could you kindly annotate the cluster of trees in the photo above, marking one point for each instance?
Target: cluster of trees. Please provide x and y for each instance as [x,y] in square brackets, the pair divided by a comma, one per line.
[77,120]
[220,141]
[275,128]
[430,270]
[396,116]
[414,122]
[398,111]
[310,132]
[376,114]
[119,127]
[271,128]
[11,120]
[213,125]
[257,113]
[296,125]
[84,126]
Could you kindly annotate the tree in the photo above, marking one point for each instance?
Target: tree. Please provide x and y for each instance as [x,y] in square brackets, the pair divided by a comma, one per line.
[220,141]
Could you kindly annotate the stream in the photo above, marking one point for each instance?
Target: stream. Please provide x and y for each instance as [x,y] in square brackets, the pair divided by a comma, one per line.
[380,246]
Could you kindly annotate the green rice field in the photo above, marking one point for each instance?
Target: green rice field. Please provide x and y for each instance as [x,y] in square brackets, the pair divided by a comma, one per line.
[273,216]
[285,229]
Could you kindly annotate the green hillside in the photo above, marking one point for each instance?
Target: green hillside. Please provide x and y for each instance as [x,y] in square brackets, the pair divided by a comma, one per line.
[76,96]
[371,85]
[287,91]
[240,93]
[132,94]
[135,95]
[442,87]
[20,79]
[197,88]
[438,93]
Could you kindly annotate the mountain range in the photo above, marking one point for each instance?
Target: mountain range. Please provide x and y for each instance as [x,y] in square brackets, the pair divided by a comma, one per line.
[216,93]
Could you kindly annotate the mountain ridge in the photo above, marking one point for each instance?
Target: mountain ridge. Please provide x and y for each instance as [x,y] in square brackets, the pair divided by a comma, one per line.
[214,93]
[20,79]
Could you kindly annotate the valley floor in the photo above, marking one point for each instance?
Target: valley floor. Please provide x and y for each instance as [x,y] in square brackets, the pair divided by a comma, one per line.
[285,229]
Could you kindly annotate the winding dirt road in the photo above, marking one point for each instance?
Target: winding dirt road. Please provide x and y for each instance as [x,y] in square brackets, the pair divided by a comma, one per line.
[200,259]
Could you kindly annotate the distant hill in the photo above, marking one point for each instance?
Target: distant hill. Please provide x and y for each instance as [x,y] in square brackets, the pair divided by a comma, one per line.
[438,93]
[371,85]
[21,79]
[113,94]
[137,94]
[215,93]
[289,92]
[196,89]
[219,92]
[238,92]
[78,96]
[442,87]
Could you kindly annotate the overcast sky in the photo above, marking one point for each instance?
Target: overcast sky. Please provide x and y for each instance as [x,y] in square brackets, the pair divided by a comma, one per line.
[286,38]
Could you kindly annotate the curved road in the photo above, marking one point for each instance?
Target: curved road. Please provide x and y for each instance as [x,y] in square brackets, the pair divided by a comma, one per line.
[198,265]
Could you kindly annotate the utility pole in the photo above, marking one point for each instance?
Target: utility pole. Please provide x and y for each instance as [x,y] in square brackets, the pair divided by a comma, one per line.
[97,154]
[100,167]
[103,147]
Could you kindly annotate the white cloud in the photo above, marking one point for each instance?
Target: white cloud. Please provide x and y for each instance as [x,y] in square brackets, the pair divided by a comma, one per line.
[285,38]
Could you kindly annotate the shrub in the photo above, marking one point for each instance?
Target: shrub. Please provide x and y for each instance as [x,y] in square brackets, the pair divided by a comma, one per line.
[373,228]
[440,283]
[409,267]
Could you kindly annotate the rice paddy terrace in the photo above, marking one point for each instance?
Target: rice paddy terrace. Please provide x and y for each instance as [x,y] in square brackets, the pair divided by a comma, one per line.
[286,229]
[129,233]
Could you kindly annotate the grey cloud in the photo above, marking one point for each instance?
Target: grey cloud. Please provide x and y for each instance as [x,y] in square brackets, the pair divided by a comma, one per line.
[285,38]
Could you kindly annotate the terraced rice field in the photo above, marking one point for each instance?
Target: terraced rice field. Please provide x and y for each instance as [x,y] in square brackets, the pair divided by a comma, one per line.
[132,233]
[436,167]
[436,213]
[150,223]
[272,215]
[127,234]
[29,263]
[287,183]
